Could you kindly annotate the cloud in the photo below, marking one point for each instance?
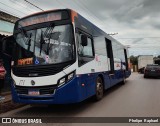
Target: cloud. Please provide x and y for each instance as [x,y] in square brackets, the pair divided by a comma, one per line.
[131,19]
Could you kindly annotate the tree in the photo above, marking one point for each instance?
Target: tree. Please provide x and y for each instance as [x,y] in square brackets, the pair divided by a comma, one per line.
[134,60]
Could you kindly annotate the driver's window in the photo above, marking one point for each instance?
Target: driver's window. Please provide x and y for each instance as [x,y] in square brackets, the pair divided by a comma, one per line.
[85,50]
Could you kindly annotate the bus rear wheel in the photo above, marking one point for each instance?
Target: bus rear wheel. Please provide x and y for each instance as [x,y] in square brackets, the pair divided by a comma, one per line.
[123,81]
[124,78]
[99,89]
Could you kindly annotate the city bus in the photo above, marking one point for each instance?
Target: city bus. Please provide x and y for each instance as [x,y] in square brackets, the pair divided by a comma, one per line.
[59,57]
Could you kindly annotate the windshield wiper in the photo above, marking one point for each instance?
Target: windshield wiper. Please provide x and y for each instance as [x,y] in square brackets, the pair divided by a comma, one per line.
[42,41]
[46,34]
[24,33]
[49,37]
[29,41]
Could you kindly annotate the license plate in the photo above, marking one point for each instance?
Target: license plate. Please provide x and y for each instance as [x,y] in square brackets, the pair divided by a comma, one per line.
[152,70]
[33,92]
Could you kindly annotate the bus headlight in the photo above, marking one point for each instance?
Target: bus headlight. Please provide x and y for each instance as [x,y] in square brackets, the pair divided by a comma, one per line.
[62,81]
[66,78]
[70,76]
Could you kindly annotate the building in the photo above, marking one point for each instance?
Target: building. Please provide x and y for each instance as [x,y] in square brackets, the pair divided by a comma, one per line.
[6,29]
[6,25]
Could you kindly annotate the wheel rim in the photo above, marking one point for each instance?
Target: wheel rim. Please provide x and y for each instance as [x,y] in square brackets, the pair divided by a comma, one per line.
[124,80]
[99,88]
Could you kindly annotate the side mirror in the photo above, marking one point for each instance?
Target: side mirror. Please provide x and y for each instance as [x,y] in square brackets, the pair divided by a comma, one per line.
[84,40]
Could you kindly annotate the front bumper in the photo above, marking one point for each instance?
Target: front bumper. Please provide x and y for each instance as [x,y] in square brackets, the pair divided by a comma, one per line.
[152,74]
[67,93]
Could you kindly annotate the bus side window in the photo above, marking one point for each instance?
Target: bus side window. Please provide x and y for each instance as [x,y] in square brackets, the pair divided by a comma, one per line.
[110,55]
[126,59]
[85,49]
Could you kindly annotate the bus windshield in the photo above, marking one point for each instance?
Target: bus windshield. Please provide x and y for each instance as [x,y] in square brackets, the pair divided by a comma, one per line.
[46,45]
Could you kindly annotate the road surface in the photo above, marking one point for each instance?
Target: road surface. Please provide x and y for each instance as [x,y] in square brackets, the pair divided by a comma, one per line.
[139,97]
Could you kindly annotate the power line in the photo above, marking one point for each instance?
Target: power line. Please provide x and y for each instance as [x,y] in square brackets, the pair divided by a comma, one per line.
[13,8]
[34,5]
[9,12]
[138,38]
[61,3]
[87,11]
[81,7]
[21,4]
[91,13]
[150,46]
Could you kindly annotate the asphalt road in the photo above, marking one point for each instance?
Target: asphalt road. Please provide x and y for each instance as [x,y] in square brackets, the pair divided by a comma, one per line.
[139,97]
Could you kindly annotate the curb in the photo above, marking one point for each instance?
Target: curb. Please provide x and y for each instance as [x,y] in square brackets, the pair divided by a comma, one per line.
[8,106]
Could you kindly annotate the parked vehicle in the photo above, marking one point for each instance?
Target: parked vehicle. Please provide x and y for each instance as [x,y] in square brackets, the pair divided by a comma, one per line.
[2,76]
[157,61]
[152,70]
[2,70]
[143,60]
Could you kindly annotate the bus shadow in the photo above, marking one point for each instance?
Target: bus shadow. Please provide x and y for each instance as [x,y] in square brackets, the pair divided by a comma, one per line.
[114,88]
[152,78]
[65,110]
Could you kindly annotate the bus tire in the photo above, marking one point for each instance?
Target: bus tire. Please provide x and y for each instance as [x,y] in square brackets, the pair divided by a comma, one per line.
[145,76]
[123,81]
[124,78]
[99,89]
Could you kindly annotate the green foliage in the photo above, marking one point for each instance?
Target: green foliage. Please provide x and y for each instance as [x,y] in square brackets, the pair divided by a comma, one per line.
[134,60]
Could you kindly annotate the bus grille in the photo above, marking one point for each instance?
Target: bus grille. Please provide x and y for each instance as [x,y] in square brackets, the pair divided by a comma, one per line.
[43,90]
[39,70]
[35,71]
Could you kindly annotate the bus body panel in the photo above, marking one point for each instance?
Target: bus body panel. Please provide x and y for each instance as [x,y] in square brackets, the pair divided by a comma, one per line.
[71,92]
[45,80]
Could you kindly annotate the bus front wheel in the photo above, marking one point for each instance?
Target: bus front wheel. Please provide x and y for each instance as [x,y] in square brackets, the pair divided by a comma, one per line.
[123,81]
[99,89]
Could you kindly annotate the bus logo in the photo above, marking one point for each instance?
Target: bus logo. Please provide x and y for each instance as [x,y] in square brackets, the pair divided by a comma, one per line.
[6,120]
[21,82]
[33,82]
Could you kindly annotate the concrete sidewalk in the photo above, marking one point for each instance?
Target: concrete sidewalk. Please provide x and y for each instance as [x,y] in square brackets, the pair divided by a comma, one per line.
[7,96]
[7,104]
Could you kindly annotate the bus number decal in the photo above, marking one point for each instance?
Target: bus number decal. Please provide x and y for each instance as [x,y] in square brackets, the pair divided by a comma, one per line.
[21,82]
[26,61]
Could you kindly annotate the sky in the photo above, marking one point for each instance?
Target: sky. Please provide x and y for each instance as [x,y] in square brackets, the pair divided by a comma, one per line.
[137,22]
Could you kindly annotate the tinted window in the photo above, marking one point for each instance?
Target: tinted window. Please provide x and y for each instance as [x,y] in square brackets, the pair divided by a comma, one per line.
[47,45]
[86,50]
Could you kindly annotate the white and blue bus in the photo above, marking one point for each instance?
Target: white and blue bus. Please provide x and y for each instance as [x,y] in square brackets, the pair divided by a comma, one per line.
[59,57]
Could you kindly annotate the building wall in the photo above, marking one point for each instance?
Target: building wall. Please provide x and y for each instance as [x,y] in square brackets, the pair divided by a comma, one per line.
[7,23]
[7,17]
[6,29]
